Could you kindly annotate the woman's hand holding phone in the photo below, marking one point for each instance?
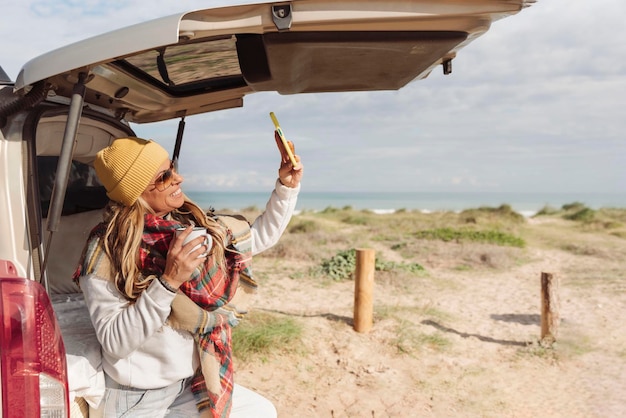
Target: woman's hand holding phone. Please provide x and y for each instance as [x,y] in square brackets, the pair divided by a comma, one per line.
[290,171]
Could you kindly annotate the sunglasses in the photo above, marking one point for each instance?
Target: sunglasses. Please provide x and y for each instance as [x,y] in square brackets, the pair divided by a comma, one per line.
[164,181]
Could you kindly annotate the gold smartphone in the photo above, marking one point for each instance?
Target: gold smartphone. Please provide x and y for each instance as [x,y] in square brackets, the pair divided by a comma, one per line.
[283,140]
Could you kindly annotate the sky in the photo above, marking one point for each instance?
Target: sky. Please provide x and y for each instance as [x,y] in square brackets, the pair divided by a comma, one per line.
[537,104]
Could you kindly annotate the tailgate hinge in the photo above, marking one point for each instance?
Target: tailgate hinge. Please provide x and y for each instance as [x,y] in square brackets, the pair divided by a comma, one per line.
[281,15]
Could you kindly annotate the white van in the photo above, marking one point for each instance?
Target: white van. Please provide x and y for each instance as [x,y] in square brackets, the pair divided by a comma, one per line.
[68,104]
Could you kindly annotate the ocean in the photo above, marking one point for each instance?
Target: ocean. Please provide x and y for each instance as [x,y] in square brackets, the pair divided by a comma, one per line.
[386,202]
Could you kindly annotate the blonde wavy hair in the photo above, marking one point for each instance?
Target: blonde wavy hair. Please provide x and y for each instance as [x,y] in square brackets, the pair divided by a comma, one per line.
[122,241]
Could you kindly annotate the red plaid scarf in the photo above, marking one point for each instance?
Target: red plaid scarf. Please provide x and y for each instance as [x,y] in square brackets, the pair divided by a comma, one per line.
[210,287]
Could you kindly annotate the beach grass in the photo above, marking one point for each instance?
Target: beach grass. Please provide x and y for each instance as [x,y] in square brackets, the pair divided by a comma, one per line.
[324,242]
[262,334]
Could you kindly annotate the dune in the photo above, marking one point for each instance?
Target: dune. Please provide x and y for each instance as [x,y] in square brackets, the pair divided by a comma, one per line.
[459,338]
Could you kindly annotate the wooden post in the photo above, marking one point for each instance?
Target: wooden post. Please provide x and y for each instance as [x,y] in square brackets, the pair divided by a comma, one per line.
[364,290]
[549,308]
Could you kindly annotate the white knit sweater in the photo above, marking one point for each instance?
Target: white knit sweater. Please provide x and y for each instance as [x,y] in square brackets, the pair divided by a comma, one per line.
[138,349]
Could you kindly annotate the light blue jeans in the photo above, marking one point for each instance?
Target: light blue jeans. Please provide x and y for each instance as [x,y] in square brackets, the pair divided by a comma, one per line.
[175,401]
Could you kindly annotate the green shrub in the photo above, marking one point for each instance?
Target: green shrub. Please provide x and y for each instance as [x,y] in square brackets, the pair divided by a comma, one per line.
[342,265]
[574,206]
[582,215]
[546,210]
[489,236]
[354,220]
[504,212]
[303,226]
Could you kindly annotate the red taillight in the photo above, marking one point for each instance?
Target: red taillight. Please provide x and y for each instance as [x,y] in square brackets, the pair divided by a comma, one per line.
[32,354]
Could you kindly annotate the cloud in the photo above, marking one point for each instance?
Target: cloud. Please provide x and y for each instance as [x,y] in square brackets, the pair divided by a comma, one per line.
[535,104]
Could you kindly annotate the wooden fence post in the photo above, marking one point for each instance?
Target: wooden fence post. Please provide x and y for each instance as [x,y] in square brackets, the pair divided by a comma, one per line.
[364,290]
[550,317]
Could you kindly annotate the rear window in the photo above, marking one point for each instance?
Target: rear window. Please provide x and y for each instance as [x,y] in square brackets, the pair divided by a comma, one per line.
[210,64]
[84,190]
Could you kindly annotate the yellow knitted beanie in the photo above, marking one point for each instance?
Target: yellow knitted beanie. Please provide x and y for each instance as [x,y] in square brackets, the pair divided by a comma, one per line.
[128,166]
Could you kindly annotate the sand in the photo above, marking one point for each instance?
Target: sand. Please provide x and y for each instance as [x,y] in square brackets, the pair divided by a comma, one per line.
[461,339]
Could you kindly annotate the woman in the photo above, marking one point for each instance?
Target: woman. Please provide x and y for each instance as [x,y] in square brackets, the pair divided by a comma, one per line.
[162,310]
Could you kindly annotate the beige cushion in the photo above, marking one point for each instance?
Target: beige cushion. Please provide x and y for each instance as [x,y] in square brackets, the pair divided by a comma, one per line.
[66,249]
